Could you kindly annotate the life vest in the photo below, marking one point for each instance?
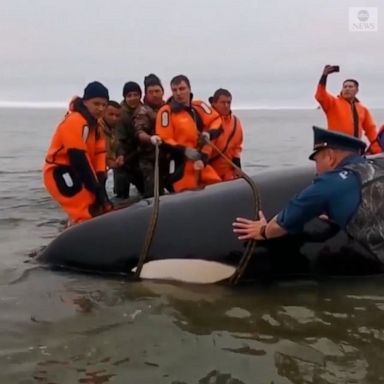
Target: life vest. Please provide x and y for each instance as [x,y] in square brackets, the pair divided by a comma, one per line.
[230,143]
[367,225]
[74,132]
[65,182]
[180,127]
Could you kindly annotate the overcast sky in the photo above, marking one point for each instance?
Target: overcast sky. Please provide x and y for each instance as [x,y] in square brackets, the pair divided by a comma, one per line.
[268,53]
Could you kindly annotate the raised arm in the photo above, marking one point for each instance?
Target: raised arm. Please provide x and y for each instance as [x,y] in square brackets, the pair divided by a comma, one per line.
[324,98]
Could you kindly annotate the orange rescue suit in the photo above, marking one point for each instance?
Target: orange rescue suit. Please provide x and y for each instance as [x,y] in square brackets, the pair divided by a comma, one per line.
[230,143]
[179,127]
[73,184]
[339,114]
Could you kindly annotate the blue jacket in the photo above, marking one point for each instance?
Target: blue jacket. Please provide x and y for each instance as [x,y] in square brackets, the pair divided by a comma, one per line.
[336,193]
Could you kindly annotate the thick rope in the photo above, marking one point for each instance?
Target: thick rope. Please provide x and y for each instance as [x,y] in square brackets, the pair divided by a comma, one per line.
[251,244]
[153,221]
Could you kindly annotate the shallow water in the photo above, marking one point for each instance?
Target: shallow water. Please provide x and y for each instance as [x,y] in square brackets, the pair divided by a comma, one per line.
[58,327]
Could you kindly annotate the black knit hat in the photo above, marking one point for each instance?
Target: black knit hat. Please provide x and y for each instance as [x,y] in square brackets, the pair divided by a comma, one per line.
[131,86]
[95,89]
[151,80]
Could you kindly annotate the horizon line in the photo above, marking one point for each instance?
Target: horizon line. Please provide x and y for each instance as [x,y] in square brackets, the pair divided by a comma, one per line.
[64,105]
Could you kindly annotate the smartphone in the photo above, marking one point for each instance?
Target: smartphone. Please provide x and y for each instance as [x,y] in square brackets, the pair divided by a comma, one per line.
[335,68]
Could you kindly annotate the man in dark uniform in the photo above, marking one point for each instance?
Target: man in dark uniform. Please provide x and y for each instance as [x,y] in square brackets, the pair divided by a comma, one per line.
[130,172]
[144,121]
[109,122]
[349,190]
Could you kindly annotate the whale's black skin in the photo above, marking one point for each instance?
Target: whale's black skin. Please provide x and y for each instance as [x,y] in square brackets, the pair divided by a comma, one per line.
[197,225]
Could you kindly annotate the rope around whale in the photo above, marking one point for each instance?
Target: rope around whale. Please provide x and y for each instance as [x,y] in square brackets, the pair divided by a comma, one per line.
[153,221]
[251,244]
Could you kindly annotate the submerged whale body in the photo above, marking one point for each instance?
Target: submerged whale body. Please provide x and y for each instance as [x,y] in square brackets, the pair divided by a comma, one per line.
[198,225]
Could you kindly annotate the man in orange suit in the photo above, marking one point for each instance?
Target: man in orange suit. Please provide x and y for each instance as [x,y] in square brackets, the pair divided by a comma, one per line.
[75,165]
[344,112]
[180,125]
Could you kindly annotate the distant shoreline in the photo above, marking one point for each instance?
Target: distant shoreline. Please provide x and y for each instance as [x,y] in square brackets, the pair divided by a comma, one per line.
[64,105]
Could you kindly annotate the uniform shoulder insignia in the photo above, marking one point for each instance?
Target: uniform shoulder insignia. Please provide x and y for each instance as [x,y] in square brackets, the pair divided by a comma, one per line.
[164,119]
[344,174]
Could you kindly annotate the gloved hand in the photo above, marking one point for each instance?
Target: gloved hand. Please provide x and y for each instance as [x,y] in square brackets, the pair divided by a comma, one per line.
[236,161]
[101,205]
[155,140]
[101,195]
[198,165]
[215,133]
[108,206]
[102,200]
[204,158]
[192,154]
[205,136]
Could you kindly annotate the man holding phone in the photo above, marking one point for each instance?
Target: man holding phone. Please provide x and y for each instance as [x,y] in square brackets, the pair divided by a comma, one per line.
[345,113]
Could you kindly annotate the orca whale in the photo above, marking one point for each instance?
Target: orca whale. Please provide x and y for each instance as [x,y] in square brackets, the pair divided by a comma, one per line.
[197,225]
